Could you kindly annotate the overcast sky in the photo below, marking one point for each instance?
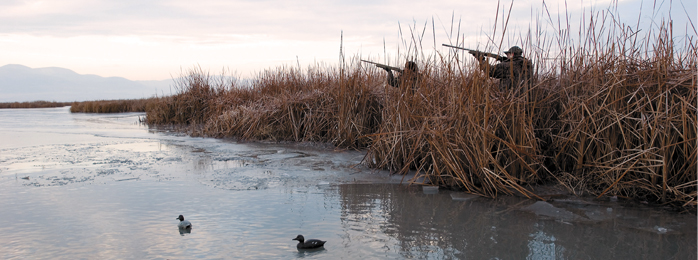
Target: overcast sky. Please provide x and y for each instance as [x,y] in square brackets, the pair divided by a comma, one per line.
[154,40]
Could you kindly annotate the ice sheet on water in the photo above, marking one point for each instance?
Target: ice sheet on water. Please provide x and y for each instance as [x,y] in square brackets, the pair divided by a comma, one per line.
[542,208]
[462,196]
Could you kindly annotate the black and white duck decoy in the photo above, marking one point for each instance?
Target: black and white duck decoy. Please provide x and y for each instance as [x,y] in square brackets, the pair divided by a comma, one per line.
[308,244]
[183,223]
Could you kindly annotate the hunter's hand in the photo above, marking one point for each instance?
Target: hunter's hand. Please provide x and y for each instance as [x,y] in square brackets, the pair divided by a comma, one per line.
[477,55]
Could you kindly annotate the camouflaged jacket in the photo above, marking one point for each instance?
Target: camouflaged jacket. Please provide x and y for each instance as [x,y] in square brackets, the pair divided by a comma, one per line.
[409,79]
[512,74]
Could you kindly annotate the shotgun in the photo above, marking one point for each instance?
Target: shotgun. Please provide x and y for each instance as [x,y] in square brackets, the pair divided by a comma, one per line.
[383,66]
[477,53]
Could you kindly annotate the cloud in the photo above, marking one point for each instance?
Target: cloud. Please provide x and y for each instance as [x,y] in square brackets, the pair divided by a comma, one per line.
[200,18]
[153,39]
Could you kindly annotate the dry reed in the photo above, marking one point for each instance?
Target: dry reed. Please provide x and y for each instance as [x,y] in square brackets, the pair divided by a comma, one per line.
[608,116]
[111,106]
[34,104]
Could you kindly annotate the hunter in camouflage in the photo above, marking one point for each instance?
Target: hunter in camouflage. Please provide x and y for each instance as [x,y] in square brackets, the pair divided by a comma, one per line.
[514,73]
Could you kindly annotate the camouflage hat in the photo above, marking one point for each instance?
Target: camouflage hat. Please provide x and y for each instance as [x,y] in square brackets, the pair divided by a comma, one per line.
[516,50]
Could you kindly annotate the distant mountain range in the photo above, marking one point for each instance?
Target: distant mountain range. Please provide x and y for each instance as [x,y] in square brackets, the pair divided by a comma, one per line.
[20,83]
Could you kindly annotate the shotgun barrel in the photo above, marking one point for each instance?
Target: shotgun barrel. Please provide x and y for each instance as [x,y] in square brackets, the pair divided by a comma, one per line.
[383,66]
[477,53]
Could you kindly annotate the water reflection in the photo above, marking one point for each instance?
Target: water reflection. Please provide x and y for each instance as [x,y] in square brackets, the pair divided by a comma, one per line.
[87,173]
[310,253]
[542,246]
[420,225]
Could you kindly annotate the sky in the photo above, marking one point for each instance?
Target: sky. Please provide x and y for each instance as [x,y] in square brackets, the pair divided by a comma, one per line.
[159,39]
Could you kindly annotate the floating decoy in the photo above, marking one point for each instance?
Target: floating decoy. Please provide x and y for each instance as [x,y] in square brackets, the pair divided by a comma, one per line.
[308,244]
[183,223]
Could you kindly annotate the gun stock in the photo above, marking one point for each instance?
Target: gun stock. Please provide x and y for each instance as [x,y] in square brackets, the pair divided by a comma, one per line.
[383,66]
[479,53]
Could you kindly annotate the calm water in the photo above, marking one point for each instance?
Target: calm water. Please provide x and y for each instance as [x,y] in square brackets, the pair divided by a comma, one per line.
[103,187]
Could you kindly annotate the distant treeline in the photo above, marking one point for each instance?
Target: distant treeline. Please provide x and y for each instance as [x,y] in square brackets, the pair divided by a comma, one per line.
[34,104]
[111,106]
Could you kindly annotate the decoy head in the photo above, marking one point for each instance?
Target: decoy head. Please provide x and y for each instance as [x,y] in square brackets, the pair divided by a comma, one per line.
[181,218]
[300,238]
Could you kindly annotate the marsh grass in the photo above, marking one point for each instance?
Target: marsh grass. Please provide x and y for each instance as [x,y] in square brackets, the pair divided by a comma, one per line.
[111,106]
[34,104]
[609,114]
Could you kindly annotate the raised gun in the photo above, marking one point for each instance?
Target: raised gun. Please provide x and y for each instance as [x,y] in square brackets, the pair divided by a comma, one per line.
[477,53]
[385,67]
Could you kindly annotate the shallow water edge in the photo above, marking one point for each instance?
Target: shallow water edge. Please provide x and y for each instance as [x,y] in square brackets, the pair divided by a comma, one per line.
[103,186]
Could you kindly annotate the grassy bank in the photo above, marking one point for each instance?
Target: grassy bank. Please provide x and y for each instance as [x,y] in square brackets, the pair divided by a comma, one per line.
[111,106]
[33,104]
[609,113]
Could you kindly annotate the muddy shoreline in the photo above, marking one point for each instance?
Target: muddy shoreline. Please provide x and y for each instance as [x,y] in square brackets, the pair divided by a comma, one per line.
[548,192]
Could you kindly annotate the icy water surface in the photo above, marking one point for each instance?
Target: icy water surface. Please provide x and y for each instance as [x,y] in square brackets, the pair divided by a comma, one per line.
[86,186]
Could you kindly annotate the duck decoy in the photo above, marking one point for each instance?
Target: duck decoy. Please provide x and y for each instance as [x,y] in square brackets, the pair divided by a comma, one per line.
[183,223]
[308,244]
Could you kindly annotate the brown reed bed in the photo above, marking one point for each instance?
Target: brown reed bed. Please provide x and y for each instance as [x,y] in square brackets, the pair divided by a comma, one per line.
[627,123]
[281,105]
[609,115]
[111,106]
[33,104]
